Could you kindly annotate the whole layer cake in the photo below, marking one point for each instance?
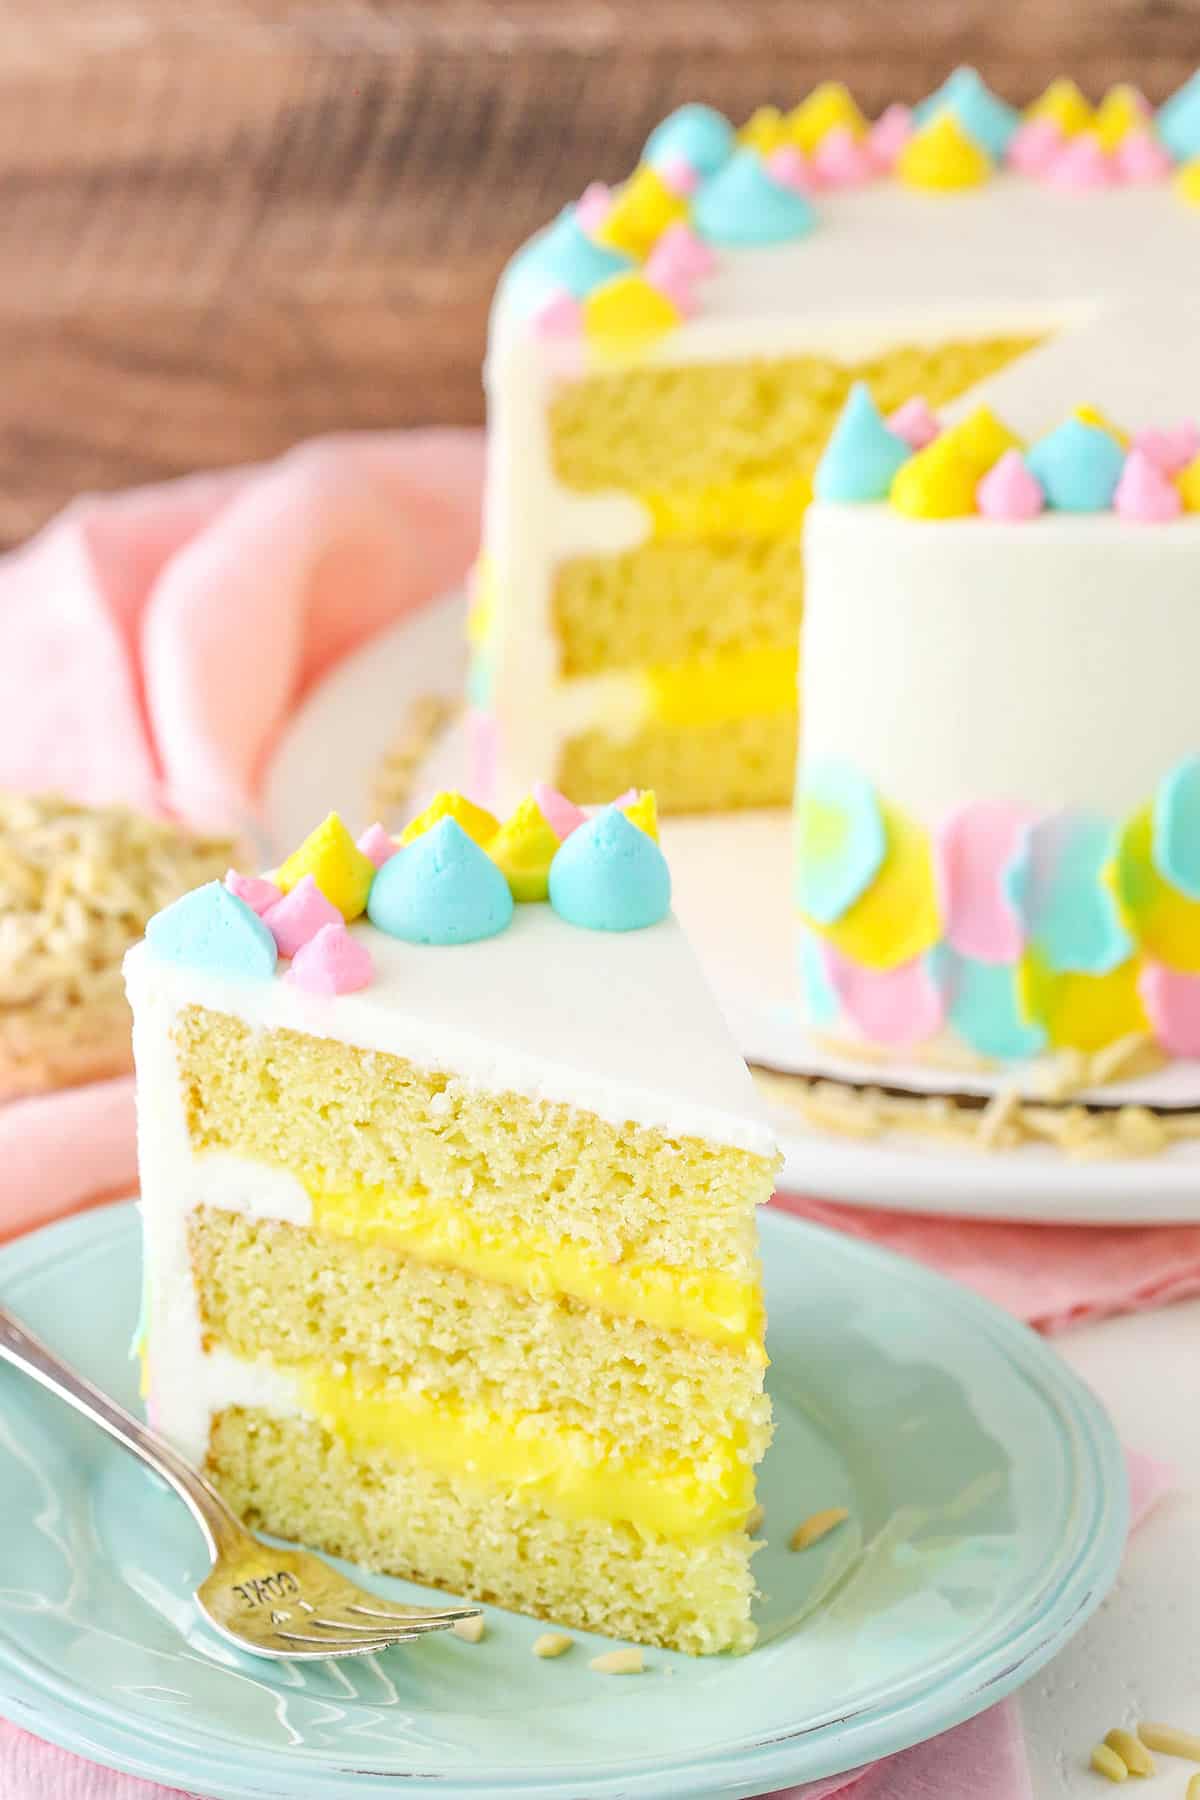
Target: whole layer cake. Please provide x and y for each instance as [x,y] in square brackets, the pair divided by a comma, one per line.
[449,1175]
[667,359]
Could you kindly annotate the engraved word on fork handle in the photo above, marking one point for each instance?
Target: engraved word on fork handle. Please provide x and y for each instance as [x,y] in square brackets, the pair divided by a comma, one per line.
[222,1530]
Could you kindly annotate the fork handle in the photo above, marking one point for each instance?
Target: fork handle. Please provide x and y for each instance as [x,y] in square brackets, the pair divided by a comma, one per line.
[18,1346]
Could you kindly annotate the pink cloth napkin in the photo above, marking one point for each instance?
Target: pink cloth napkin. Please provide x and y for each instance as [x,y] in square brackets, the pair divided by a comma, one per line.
[983,1759]
[1052,1276]
[152,646]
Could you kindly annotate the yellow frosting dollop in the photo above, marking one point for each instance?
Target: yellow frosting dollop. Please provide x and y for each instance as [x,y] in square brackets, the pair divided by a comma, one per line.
[1064,105]
[523,849]
[476,821]
[1187,182]
[939,482]
[1189,485]
[643,812]
[339,868]
[828,105]
[943,157]
[641,212]
[1091,415]
[1121,111]
[898,916]
[628,312]
[764,130]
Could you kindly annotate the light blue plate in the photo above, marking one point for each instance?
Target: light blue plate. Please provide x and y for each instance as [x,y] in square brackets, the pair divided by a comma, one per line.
[988,1512]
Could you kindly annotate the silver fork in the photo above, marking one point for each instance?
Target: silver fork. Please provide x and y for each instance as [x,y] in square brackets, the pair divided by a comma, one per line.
[286,1604]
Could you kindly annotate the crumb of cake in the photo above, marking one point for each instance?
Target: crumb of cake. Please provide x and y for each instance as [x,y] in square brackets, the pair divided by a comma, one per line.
[552,1643]
[619,1662]
[816,1526]
[754,1519]
[469,1630]
[1106,1762]
[1168,1741]
[1132,1752]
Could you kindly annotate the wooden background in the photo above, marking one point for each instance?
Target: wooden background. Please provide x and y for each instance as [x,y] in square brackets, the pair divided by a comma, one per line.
[226,226]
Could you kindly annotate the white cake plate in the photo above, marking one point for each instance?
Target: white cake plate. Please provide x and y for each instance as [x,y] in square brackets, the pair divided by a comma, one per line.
[731,878]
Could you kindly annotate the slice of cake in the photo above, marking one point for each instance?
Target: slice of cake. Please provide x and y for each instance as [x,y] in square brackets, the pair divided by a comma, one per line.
[449,1173]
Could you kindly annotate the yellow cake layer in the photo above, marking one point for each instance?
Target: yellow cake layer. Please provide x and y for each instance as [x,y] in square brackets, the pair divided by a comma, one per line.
[655,430]
[667,603]
[378,1508]
[440,1331]
[564,1470]
[343,1121]
[701,1302]
[692,768]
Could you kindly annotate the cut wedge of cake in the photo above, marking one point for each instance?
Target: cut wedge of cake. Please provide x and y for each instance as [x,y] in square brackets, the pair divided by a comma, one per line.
[451,1253]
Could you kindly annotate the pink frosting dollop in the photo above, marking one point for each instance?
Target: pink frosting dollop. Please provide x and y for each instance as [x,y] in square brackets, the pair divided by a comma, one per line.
[561,815]
[915,422]
[376,843]
[1144,493]
[679,175]
[1010,490]
[257,892]
[593,206]
[1140,157]
[297,918]
[332,962]
[1034,145]
[840,160]
[888,136]
[789,168]
[1172,450]
[560,317]
[1081,164]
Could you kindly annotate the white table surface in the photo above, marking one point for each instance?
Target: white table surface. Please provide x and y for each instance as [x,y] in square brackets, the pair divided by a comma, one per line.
[1139,1655]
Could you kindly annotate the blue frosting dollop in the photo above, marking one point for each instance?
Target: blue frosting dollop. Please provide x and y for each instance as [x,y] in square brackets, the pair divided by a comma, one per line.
[441,889]
[1078,465]
[982,114]
[841,839]
[698,134]
[983,1005]
[1055,882]
[609,875]
[1176,833]
[562,256]
[742,207]
[211,929]
[1177,121]
[862,456]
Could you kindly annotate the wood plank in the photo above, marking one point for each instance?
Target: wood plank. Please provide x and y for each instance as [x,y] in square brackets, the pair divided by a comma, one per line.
[229,226]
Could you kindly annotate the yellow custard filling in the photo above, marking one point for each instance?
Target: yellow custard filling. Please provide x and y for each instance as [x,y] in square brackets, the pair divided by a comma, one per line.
[700,1302]
[567,1472]
[735,684]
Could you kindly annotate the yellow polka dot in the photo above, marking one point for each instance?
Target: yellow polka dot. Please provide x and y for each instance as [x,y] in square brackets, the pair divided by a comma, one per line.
[1081,1012]
[1164,922]
[897,918]
[640,213]
[942,156]
[339,868]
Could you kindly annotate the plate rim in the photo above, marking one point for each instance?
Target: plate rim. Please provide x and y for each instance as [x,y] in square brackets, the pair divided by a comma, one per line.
[914,1715]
